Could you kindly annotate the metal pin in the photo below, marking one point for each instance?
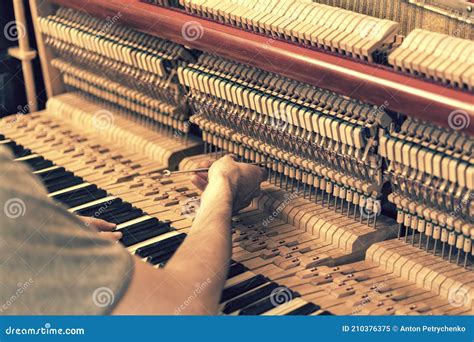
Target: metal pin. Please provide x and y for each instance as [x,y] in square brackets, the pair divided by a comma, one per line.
[412,237]
[304,192]
[457,256]
[203,169]
[434,248]
[465,260]
[348,208]
[375,222]
[329,200]
[427,245]
[450,252]
[421,239]
[442,250]
[406,235]
[355,211]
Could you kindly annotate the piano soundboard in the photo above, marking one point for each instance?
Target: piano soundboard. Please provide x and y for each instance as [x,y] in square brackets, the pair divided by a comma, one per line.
[366,210]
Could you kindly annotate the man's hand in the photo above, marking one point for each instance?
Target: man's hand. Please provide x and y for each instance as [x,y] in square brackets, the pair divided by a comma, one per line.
[105,228]
[244,179]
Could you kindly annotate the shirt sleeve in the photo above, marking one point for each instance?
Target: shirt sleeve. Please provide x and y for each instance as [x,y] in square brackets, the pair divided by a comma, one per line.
[51,263]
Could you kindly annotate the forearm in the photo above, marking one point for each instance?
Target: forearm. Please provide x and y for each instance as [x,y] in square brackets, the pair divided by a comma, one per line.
[204,256]
[192,281]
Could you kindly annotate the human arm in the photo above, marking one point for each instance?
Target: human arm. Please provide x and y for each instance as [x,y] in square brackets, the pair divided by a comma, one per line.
[203,258]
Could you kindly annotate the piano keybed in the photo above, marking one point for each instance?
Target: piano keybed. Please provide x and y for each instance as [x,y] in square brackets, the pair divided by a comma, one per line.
[313,273]
[321,238]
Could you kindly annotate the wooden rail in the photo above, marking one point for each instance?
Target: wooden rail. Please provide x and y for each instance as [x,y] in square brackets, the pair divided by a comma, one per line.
[370,83]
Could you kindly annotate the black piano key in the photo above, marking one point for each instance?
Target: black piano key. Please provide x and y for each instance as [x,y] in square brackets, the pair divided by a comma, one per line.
[63,183]
[87,190]
[305,310]
[258,308]
[18,150]
[249,298]
[326,313]
[140,226]
[236,269]
[91,210]
[38,163]
[242,287]
[145,251]
[160,259]
[115,208]
[51,174]
[264,305]
[131,237]
[165,250]
[124,217]
[79,197]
